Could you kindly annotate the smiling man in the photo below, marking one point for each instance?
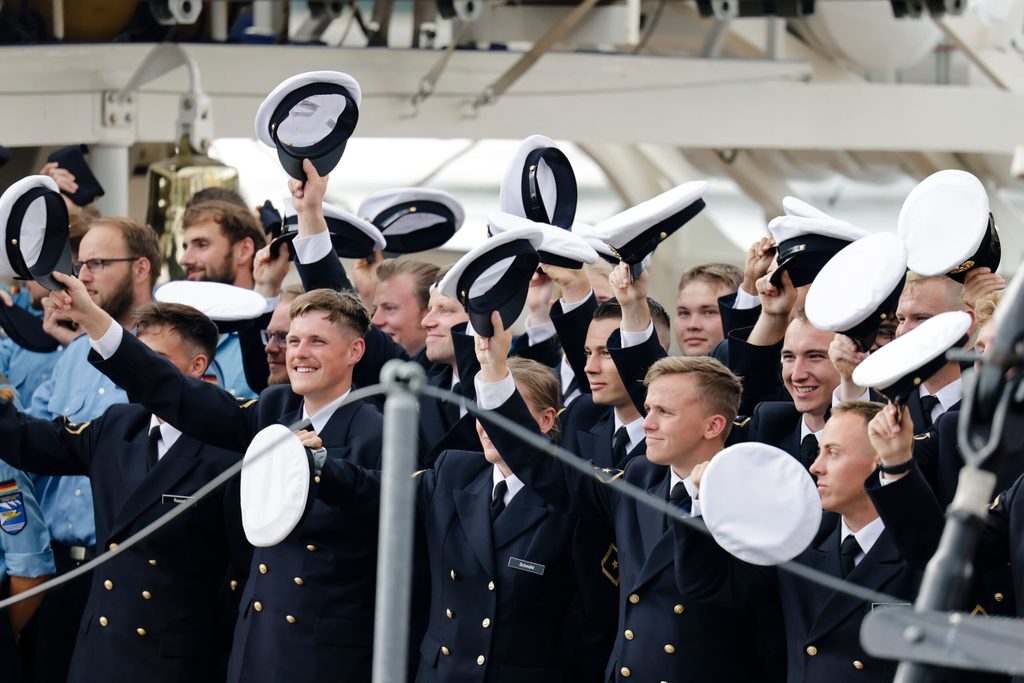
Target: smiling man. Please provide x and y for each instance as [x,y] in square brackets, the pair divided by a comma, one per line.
[220,242]
[400,301]
[698,323]
[293,620]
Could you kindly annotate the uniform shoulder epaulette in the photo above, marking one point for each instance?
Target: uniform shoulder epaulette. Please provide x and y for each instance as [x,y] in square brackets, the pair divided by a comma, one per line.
[75,428]
[246,402]
[995,503]
[741,423]
[417,473]
[922,437]
[607,475]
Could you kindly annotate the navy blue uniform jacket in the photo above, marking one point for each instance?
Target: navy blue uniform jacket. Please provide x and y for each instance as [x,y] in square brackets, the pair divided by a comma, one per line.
[151,611]
[323,575]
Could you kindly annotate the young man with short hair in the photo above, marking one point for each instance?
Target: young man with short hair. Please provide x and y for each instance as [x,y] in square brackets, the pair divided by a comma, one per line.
[698,323]
[690,403]
[400,301]
[313,593]
[822,626]
[159,597]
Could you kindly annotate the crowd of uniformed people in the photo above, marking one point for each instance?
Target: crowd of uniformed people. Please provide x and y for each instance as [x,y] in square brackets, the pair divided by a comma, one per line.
[120,404]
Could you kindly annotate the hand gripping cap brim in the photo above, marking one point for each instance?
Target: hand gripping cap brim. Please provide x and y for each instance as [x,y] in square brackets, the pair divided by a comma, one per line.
[34,221]
[859,288]
[326,104]
[494,276]
[759,503]
[540,184]
[636,232]
[897,369]
[230,308]
[277,474]
[413,219]
[946,224]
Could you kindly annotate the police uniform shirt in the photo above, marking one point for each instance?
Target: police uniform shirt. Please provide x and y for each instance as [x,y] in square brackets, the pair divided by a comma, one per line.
[24,538]
[948,396]
[866,536]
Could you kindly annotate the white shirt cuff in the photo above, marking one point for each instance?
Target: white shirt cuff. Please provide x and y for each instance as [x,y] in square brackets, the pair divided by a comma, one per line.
[313,248]
[272,303]
[490,395]
[539,333]
[745,300]
[108,344]
[636,338]
[567,306]
[837,396]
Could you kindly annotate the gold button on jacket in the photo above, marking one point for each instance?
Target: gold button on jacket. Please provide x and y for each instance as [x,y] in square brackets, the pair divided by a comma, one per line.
[634,598]
[625,672]
[811,650]
[858,665]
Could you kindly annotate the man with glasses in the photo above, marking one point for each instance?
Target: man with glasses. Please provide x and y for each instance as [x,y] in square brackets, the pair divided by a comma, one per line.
[275,336]
[118,262]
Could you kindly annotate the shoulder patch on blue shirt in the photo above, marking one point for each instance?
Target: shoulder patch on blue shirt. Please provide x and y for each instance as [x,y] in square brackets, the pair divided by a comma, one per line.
[13,517]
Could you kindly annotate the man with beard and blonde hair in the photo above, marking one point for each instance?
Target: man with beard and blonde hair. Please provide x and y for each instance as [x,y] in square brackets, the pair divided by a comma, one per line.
[118,263]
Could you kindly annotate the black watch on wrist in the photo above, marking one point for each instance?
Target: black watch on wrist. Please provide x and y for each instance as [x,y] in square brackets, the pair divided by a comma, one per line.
[319,458]
[896,469]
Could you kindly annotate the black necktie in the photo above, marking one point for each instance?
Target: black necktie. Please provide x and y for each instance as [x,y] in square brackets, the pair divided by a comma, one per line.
[849,550]
[620,442]
[498,500]
[808,450]
[152,444]
[680,498]
[928,404]
[452,410]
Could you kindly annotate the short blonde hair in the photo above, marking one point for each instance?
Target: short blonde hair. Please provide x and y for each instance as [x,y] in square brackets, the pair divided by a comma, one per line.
[865,409]
[718,275]
[719,388]
[985,307]
[341,307]
[951,289]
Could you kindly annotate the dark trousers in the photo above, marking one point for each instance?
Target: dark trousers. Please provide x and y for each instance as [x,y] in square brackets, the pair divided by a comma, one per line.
[59,616]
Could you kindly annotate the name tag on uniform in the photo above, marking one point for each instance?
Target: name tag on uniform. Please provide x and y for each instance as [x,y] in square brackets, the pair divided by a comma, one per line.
[526,566]
[175,499]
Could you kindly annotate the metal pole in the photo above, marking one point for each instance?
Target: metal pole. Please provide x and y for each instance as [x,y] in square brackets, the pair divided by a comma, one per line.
[397,517]
[110,164]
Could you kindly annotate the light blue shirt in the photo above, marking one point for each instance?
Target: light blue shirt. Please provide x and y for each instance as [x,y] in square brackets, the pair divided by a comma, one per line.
[228,369]
[24,539]
[24,369]
[82,393]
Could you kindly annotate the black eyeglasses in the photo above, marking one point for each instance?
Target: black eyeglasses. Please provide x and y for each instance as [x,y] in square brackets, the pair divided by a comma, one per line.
[96,265]
[280,338]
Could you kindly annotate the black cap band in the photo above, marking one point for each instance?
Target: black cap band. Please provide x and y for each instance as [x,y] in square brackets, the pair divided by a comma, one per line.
[564,212]
[988,255]
[55,253]
[507,295]
[634,251]
[326,153]
[429,237]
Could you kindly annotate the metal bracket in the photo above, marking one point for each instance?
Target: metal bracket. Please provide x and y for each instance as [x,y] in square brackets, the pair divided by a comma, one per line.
[557,32]
[118,111]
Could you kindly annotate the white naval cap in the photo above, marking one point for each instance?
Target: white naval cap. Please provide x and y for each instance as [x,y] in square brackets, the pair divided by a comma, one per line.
[351,236]
[228,306]
[310,116]
[897,369]
[948,227]
[274,485]
[558,247]
[34,220]
[634,233]
[494,276]
[806,244]
[413,219]
[759,503]
[859,288]
[791,206]
[540,184]
[586,231]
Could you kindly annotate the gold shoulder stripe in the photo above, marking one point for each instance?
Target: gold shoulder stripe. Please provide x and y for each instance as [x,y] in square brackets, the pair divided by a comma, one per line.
[75,428]
[417,473]
[560,411]
[978,611]
[247,404]
[995,503]
[741,423]
[615,474]
[922,437]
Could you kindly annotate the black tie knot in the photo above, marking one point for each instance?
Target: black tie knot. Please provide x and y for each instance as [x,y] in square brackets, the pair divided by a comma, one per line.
[620,446]
[808,450]
[679,496]
[498,499]
[848,551]
[928,405]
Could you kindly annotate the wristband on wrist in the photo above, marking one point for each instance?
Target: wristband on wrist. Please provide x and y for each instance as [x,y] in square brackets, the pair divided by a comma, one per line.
[319,458]
[896,469]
